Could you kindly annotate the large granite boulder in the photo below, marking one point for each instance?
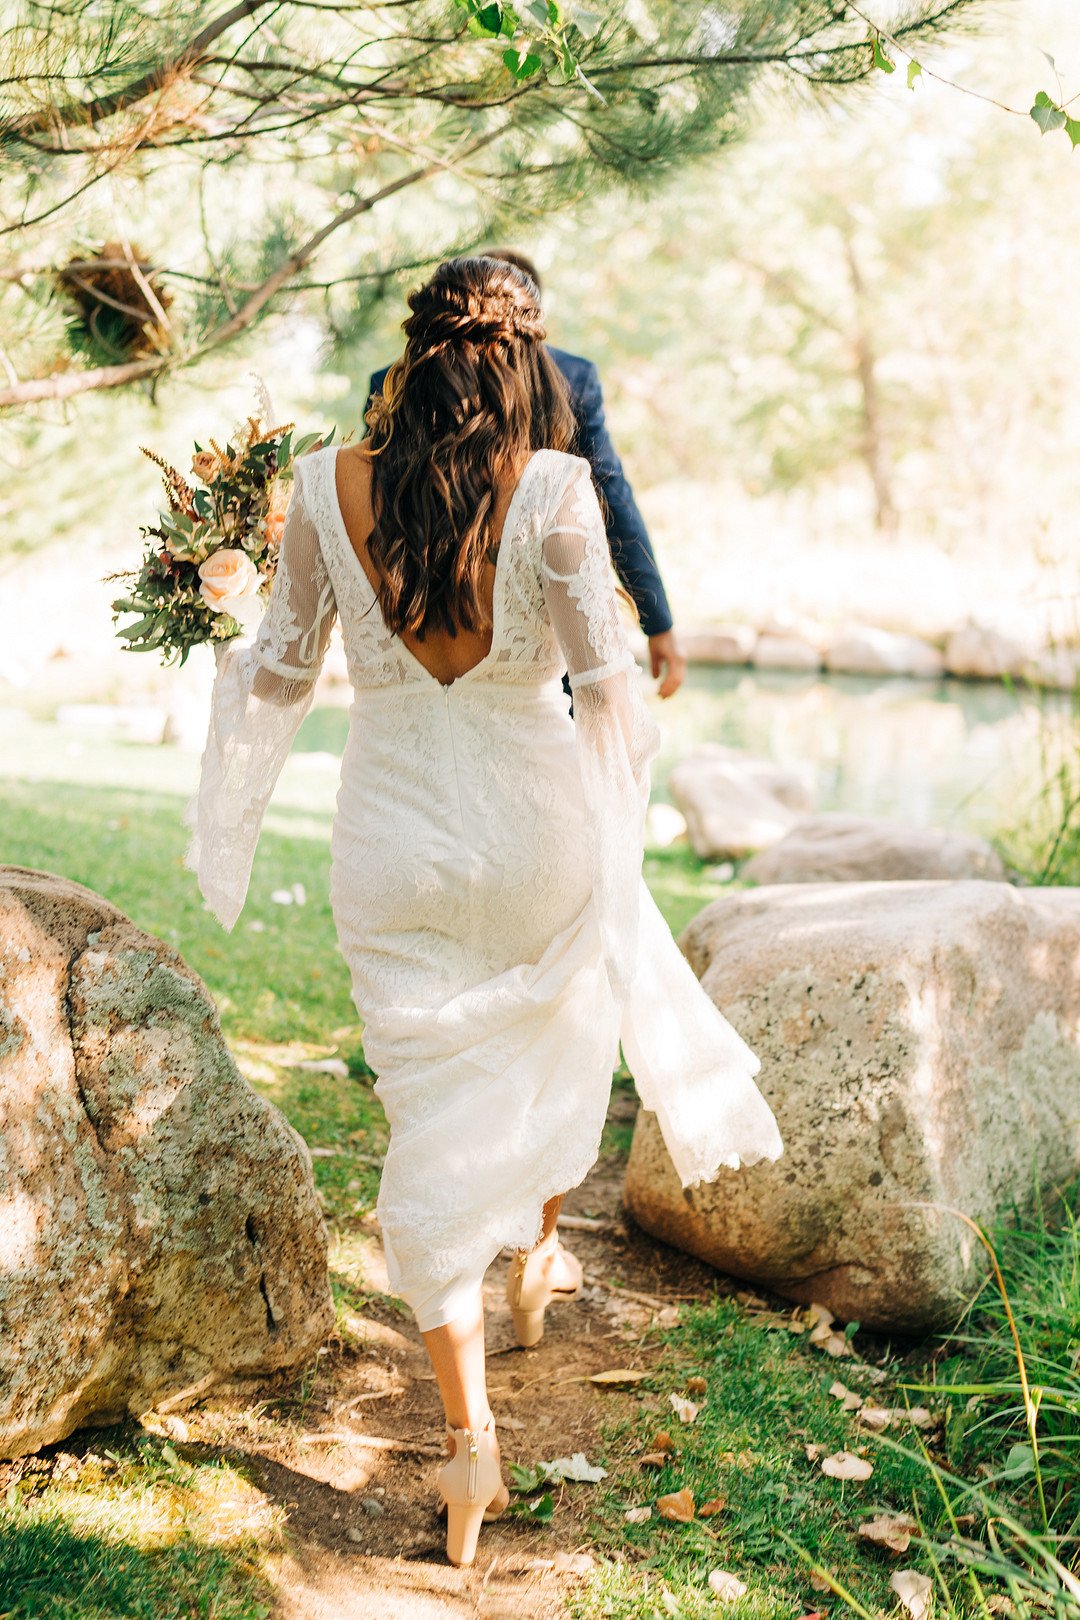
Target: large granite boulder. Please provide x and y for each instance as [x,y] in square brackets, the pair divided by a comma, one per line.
[779,650]
[980,652]
[159,1226]
[865,650]
[718,643]
[920,1046]
[832,848]
[735,802]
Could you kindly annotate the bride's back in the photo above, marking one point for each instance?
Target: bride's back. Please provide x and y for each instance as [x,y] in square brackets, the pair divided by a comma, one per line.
[445,655]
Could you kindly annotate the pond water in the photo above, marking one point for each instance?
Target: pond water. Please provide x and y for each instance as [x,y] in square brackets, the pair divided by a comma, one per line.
[954,754]
[950,754]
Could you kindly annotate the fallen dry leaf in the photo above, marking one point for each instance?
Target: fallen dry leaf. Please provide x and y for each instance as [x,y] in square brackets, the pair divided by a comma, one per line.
[740,1459]
[833,1343]
[819,1583]
[921,1416]
[654,1459]
[814,1450]
[685,1410]
[726,1586]
[875,1417]
[913,1590]
[662,1441]
[696,1386]
[637,1515]
[892,1530]
[678,1506]
[715,1504]
[617,1375]
[574,1563]
[822,1333]
[576,1468]
[850,1397]
[845,1465]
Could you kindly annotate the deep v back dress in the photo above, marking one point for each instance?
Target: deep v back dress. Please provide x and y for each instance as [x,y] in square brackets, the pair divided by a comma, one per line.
[486,880]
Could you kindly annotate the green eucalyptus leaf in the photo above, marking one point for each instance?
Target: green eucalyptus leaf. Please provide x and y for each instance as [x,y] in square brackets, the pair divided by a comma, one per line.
[555,14]
[1072,130]
[525,1479]
[135,632]
[588,23]
[882,59]
[914,71]
[1047,114]
[542,1510]
[521,62]
[490,19]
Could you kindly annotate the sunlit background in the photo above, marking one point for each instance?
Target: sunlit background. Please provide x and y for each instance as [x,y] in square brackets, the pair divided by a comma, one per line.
[840,372]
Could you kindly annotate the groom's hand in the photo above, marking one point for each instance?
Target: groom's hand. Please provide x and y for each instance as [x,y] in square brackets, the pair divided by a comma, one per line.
[667,662]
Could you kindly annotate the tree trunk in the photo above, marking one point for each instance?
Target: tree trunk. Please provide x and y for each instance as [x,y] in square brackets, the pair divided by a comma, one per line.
[873,446]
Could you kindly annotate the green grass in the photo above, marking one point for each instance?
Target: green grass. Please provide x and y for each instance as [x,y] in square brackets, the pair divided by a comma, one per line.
[994,1487]
[138,1531]
[1043,843]
[132,1530]
[766,1400]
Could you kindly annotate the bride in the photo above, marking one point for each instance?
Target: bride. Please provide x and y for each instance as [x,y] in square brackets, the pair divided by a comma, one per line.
[487,848]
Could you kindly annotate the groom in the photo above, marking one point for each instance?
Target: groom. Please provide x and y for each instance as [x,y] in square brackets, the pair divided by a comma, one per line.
[631,551]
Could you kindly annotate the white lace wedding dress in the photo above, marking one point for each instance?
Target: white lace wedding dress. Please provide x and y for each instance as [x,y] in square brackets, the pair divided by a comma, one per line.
[486,881]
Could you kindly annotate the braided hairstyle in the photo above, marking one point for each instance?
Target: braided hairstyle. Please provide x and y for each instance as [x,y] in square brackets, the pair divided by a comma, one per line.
[473,394]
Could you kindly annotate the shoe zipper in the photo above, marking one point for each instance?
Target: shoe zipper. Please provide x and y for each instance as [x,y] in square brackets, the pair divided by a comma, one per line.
[472,1441]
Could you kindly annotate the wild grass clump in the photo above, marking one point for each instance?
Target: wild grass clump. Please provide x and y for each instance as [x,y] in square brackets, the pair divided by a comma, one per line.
[987,1480]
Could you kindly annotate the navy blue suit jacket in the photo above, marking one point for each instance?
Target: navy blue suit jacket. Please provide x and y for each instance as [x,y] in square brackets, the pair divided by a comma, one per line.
[631,549]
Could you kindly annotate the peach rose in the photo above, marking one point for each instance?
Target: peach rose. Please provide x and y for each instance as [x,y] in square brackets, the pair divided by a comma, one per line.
[227,576]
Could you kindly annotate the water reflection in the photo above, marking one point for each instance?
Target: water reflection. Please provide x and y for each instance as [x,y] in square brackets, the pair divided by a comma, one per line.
[947,753]
[955,754]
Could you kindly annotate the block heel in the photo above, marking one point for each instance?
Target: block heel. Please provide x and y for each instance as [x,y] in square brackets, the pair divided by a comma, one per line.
[472,1489]
[529,1292]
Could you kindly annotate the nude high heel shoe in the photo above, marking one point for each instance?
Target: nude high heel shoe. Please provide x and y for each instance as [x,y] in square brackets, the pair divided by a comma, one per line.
[471,1486]
[529,1292]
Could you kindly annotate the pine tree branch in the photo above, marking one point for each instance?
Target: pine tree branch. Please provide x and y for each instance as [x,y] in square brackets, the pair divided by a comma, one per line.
[64,385]
[100,107]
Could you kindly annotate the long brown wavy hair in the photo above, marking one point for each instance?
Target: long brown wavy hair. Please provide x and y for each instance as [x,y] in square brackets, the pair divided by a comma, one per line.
[474,393]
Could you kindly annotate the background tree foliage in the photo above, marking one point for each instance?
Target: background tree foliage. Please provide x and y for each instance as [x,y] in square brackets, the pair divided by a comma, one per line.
[169,178]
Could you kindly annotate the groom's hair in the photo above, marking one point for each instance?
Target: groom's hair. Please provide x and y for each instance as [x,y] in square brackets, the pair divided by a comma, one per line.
[519,260]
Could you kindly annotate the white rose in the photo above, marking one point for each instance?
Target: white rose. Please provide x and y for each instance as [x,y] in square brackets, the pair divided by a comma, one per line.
[228,577]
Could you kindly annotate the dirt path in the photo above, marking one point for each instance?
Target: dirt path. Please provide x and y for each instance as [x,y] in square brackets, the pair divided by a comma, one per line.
[362,1540]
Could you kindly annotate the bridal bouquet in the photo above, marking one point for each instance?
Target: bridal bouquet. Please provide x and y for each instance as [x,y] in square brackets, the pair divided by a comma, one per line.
[210,557]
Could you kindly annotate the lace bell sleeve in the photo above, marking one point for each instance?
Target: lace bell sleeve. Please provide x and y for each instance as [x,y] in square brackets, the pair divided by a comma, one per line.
[262,691]
[616,737]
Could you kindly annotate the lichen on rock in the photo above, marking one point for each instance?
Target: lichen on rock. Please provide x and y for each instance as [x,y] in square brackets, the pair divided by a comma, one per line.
[159,1227]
